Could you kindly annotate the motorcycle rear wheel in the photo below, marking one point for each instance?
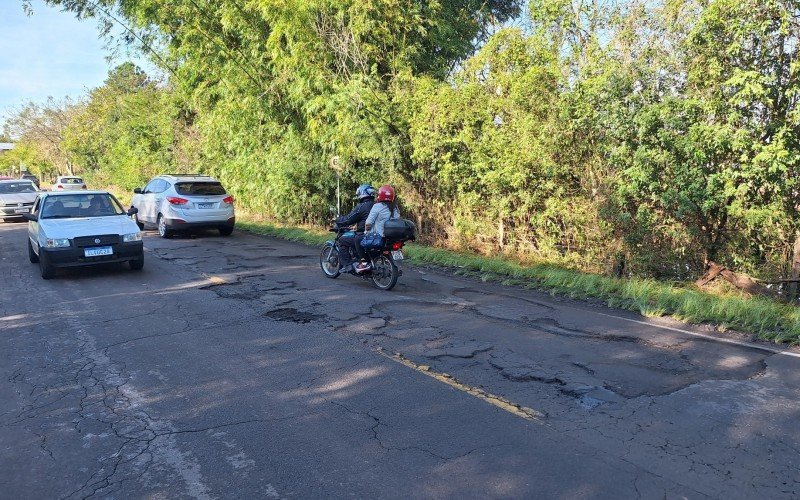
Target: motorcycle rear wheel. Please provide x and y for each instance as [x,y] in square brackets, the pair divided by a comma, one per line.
[329,261]
[384,272]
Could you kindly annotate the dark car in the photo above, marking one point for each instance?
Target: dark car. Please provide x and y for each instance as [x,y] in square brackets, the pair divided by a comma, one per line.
[32,178]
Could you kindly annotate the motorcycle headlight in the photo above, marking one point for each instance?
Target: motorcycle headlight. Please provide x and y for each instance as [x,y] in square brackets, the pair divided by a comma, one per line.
[57,243]
[137,236]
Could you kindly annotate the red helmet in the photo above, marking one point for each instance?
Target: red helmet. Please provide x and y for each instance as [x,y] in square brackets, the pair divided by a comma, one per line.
[385,193]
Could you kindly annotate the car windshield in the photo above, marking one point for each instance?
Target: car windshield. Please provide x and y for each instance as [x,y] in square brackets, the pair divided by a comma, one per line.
[17,187]
[199,188]
[80,205]
[71,180]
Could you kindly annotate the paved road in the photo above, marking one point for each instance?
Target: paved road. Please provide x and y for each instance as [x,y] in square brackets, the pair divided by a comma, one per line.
[231,368]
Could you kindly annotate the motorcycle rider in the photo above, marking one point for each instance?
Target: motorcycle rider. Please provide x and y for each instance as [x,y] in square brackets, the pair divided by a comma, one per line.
[385,208]
[365,194]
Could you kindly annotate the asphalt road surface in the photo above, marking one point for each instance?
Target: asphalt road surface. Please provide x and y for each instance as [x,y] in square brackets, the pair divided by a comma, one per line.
[232,368]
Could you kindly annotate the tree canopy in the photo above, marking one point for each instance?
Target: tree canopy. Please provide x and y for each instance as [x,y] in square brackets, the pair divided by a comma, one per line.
[613,136]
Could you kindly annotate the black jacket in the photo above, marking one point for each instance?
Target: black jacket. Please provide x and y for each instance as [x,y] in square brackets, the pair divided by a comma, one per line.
[357,216]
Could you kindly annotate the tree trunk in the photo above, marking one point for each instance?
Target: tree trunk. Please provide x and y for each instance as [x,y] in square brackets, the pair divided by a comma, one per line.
[740,281]
[792,288]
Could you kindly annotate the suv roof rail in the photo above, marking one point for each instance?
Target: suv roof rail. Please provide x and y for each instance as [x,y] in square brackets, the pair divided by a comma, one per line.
[186,175]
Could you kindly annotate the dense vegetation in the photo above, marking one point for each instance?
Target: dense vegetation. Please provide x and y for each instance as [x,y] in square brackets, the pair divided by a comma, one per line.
[625,137]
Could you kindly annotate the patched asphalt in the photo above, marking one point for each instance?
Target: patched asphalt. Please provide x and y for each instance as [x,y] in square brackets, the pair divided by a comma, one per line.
[232,368]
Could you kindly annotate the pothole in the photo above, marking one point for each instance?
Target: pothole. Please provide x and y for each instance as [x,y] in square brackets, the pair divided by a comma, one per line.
[232,291]
[293,315]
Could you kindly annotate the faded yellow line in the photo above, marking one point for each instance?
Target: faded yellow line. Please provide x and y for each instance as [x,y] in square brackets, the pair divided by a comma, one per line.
[502,403]
[215,279]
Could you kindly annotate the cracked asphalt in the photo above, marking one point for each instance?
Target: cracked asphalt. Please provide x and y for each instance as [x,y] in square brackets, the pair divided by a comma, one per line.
[232,368]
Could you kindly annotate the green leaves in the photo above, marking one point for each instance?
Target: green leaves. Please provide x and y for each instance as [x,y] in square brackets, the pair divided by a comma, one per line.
[645,137]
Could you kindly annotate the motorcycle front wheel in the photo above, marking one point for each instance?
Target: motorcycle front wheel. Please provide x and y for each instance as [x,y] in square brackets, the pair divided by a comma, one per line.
[329,261]
[384,272]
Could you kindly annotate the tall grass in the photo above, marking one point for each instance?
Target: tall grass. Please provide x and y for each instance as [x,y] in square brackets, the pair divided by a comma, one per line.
[766,318]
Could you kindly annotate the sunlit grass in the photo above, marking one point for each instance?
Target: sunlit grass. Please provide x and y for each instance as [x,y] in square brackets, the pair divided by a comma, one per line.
[768,319]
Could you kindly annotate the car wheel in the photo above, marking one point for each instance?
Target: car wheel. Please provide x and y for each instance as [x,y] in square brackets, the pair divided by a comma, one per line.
[47,270]
[137,264]
[163,230]
[31,254]
[138,222]
[226,230]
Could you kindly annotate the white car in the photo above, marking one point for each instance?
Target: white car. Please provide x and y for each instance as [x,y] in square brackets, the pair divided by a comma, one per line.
[68,229]
[180,202]
[16,198]
[68,183]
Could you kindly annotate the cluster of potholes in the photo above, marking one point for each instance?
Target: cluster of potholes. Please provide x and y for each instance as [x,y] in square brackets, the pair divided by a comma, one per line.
[592,382]
[557,365]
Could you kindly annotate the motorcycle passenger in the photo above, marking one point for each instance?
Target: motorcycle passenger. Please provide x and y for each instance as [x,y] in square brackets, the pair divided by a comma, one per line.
[385,208]
[365,194]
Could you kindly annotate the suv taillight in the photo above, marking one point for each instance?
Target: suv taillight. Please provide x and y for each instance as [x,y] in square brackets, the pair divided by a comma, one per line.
[174,200]
[59,186]
[228,200]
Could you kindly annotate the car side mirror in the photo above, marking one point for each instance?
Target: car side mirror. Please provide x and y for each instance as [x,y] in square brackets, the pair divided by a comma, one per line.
[30,217]
[133,211]
[138,190]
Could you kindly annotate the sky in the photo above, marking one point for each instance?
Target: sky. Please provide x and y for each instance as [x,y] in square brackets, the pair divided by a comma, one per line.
[50,53]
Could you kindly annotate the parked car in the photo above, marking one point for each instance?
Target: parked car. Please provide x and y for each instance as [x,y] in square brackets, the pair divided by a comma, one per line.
[16,198]
[68,229]
[68,183]
[180,202]
[30,177]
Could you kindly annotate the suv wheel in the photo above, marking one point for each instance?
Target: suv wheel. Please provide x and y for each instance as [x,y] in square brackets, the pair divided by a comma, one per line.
[163,230]
[138,222]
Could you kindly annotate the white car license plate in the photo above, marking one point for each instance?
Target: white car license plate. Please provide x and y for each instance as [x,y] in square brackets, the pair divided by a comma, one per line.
[397,255]
[22,210]
[205,205]
[97,251]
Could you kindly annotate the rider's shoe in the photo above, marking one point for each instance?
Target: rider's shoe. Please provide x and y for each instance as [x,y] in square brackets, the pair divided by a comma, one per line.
[362,266]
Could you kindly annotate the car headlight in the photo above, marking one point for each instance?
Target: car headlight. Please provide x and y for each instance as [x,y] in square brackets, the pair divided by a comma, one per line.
[57,243]
[127,238]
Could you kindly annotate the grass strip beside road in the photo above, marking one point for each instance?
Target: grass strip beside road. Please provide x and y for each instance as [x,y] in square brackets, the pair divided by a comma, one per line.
[767,319]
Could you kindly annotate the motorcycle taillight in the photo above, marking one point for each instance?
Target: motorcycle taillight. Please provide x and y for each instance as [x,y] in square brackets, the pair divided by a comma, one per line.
[397,245]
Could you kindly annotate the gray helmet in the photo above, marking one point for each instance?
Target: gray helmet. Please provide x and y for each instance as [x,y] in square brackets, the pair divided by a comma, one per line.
[365,191]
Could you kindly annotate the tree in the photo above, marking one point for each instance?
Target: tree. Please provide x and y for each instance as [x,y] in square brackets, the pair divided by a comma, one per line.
[43,125]
[127,131]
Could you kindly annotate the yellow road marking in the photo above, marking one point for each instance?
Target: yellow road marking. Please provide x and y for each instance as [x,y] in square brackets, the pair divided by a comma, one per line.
[502,403]
[215,279]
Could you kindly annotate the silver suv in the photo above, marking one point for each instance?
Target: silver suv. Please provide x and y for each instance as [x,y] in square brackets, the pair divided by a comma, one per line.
[180,202]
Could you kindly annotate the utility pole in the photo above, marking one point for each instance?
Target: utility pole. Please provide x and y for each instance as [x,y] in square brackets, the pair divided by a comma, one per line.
[337,167]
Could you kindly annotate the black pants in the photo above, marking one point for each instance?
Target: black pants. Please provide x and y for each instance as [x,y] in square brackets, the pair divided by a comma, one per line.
[346,244]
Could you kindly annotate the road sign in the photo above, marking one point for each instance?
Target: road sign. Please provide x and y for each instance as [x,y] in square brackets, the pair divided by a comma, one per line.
[335,164]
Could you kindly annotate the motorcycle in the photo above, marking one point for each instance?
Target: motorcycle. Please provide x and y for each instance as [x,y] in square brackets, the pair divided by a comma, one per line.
[384,271]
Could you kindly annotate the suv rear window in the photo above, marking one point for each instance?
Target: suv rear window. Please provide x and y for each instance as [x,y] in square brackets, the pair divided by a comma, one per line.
[199,188]
[71,180]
